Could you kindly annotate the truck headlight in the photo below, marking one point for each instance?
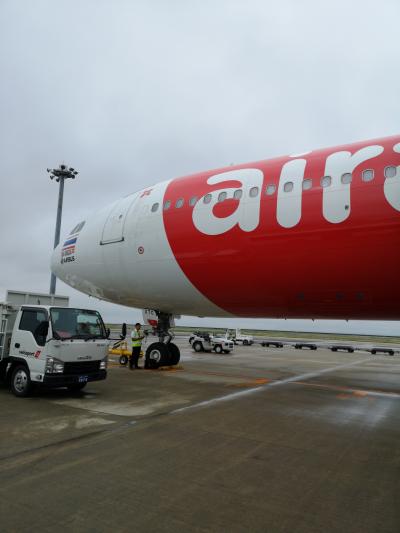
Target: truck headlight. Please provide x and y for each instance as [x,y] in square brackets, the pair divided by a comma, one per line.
[54,366]
[103,363]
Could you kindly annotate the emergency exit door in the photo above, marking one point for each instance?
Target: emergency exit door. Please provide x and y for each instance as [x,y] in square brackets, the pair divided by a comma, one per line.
[114,226]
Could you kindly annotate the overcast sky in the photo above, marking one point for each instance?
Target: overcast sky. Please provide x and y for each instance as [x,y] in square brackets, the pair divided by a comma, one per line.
[135,92]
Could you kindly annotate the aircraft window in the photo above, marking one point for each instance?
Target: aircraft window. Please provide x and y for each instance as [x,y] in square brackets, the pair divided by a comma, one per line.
[326,181]
[167,205]
[253,192]
[238,194]
[179,203]
[288,186]
[346,178]
[207,198]
[307,184]
[193,200]
[154,208]
[368,175]
[270,189]
[390,172]
[222,196]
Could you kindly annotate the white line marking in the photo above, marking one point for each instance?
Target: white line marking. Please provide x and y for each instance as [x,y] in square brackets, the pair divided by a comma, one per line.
[247,392]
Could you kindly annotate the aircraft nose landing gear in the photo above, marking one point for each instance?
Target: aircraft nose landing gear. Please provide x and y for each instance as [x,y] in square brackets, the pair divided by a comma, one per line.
[164,352]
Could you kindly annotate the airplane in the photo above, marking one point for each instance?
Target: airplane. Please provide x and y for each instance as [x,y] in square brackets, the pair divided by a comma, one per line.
[310,235]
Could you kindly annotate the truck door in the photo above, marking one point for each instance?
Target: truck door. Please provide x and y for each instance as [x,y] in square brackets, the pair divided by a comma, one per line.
[113,230]
[29,336]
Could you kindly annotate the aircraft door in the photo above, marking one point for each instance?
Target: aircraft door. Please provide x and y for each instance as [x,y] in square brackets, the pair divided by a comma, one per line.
[113,230]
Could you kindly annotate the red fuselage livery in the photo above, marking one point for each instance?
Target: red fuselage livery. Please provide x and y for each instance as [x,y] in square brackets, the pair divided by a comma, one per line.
[313,235]
[317,267]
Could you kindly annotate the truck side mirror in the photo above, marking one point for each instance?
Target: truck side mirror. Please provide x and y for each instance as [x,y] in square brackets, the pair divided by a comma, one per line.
[123,334]
[108,333]
[40,333]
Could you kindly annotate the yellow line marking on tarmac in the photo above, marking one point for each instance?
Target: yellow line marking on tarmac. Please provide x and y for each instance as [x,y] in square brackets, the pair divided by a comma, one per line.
[224,375]
[351,392]
[270,385]
[253,383]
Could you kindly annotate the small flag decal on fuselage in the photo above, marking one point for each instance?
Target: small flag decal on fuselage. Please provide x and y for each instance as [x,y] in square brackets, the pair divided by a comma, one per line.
[68,250]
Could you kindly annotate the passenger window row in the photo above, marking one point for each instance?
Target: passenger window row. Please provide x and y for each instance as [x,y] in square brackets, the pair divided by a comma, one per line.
[307,184]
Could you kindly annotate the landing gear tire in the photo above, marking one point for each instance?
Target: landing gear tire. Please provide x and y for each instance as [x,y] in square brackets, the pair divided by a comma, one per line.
[76,387]
[21,384]
[218,348]
[174,353]
[157,354]
[123,360]
[197,347]
[245,342]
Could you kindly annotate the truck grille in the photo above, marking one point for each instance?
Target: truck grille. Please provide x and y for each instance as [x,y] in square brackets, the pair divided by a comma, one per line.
[82,367]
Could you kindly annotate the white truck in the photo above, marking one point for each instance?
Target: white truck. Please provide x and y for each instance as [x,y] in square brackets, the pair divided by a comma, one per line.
[246,340]
[204,342]
[45,342]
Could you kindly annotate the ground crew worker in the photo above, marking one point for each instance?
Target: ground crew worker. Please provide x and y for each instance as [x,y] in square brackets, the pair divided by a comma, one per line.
[137,336]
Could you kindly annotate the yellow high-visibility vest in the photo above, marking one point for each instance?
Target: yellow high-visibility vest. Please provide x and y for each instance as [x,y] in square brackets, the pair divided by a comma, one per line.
[136,341]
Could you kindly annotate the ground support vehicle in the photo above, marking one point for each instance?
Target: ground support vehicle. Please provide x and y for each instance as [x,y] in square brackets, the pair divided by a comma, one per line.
[246,340]
[45,342]
[121,348]
[204,342]
[301,345]
[275,344]
[388,351]
[342,347]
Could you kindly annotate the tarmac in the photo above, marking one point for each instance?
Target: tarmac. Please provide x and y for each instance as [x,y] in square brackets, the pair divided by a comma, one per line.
[261,440]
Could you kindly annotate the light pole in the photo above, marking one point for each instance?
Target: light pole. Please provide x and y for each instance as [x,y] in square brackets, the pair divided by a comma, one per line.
[59,174]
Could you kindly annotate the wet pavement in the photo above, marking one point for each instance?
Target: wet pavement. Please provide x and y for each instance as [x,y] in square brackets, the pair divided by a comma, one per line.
[264,439]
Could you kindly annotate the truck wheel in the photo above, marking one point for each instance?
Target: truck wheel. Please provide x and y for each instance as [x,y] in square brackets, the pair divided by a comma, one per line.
[218,348]
[174,353]
[123,360]
[21,384]
[157,355]
[198,346]
[76,387]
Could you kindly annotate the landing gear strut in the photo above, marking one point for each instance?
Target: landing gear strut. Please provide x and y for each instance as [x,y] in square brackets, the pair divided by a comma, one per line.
[164,352]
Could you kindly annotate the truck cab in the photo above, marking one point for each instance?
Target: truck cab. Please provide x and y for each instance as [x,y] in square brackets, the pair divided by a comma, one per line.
[246,340]
[51,346]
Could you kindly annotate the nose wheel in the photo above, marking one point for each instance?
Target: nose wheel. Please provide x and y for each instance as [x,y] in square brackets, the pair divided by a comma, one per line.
[164,352]
[160,354]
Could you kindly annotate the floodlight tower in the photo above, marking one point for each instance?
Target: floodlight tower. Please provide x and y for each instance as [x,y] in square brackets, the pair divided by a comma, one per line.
[60,174]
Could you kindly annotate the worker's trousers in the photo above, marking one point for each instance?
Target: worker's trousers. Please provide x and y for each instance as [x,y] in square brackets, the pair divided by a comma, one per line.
[133,363]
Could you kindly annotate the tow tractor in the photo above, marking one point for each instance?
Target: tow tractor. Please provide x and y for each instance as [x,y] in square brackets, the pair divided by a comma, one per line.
[205,342]
[45,342]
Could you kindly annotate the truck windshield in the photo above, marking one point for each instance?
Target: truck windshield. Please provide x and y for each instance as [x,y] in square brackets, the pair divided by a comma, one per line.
[77,324]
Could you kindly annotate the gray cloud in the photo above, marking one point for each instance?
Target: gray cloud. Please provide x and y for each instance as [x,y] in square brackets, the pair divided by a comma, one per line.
[133,92]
